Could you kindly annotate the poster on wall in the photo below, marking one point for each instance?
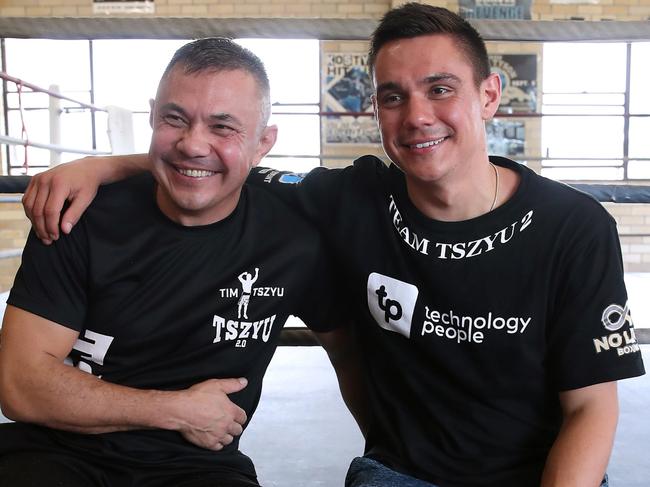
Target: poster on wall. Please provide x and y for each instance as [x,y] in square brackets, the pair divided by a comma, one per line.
[506,138]
[495,9]
[518,73]
[351,130]
[346,89]
[123,7]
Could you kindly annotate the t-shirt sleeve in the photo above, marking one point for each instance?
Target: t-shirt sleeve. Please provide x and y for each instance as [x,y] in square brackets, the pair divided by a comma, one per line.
[51,280]
[316,195]
[591,337]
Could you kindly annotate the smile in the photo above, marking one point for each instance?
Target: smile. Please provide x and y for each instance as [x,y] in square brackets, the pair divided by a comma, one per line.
[195,173]
[424,145]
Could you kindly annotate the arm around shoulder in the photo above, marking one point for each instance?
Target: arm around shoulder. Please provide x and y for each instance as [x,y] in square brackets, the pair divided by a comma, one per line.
[76,182]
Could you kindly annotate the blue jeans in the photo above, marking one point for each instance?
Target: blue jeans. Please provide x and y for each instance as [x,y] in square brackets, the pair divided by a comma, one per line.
[365,472]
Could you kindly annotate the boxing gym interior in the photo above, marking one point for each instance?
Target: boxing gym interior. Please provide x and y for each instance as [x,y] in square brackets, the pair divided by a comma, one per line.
[77,77]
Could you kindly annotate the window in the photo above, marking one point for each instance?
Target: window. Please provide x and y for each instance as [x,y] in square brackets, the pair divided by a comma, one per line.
[587,131]
[639,153]
[41,62]
[126,73]
[295,96]
[591,127]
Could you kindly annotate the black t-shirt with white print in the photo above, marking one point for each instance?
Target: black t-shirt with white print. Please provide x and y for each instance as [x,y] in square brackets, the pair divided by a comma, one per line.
[163,306]
[470,329]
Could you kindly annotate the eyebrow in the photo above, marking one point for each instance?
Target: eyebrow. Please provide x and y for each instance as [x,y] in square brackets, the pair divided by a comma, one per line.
[217,117]
[172,107]
[434,78]
[225,117]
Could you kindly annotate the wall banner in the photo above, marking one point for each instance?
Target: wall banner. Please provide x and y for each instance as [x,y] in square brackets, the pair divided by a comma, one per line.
[346,88]
[123,7]
[495,9]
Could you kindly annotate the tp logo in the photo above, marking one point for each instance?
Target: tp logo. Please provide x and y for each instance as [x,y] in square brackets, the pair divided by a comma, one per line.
[391,303]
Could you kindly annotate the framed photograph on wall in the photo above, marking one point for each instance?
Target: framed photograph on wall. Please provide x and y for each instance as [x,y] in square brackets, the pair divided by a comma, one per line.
[518,73]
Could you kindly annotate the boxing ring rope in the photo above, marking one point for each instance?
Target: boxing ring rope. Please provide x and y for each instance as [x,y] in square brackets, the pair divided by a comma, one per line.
[4,139]
[55,111]
[299,336]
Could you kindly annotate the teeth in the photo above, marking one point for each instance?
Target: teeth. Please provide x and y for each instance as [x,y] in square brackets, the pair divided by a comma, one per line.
[195,173]
[428,144]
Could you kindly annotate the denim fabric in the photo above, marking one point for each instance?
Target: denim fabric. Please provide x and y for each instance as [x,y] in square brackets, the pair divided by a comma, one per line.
[365,472]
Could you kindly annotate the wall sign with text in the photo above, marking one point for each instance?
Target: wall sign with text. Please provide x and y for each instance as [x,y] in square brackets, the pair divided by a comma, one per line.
[123,7]
[495,9]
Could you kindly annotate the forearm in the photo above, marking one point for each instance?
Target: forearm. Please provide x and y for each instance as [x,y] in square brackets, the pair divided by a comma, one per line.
[64,397]
[37,387]
[110,169]
[581,451]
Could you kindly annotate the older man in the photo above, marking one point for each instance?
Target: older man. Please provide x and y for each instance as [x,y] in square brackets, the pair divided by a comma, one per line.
[142,299]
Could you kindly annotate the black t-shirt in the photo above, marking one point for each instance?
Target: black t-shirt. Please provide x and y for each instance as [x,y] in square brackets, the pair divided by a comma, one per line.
[470,329]
[163,306]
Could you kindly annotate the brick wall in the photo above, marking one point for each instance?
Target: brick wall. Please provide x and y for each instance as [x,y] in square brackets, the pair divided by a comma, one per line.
[14,228]
[633,219]
[209,8]
[540,10]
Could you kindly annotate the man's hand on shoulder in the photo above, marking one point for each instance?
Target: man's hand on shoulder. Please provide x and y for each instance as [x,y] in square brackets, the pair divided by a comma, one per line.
[48,191]
[76,182]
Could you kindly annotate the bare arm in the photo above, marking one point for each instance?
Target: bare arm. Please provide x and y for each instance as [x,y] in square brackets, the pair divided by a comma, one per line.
[37,387]
[581,451]
[345,355]
[76,182]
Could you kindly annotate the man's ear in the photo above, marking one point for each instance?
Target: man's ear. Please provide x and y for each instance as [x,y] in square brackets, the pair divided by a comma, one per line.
[152,103]
[490,95]
[265,143]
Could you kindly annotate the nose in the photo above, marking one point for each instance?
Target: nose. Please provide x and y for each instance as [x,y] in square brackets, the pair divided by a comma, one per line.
[419,112]
[193,142]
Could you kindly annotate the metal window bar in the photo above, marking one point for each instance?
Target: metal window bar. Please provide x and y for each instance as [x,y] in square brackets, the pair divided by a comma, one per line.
[546,161]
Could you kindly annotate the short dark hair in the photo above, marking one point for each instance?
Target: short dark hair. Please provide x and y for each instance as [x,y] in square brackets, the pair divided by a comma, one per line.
[415,20]
[222,54]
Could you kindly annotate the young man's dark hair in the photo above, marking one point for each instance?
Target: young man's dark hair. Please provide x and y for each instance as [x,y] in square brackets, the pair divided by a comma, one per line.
[415,19]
